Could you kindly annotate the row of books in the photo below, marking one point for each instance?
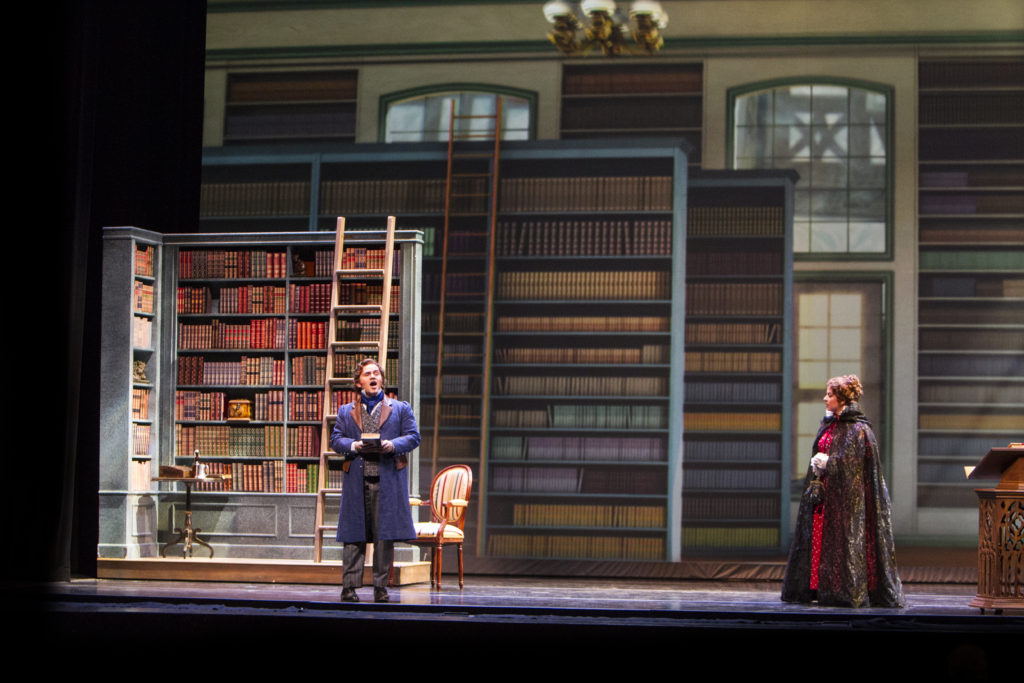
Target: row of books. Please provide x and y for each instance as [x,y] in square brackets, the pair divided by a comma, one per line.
[971,286]
[456,285]
[639,354]
[973,108]
[584,238]
[732,422]
[304,478]
[247,371]
[972,392]
[978,422]
[252,299]
[593,448]
[345,364]
[722,508]
[306,405]
[979,176]
[581,386]
[733,333]
[582,323]
[453,414]
[200,405]
[231,264]
[621,516]
[452,384]
[602,193]
[362,294]
[989,365]
[392,196]
[978,233]
[734,298]
[558,285]
[730,478]
[455,321]
[451,448]
[718,263]
[584,417]
[958,444]
[965,203]
[967,313]
[303,441]
[229,441]
[360,329]
[662,78]
[140,438]
[733,392]
[717,537]
[140,403]
[731,450]
[272,198]
[735,221]
[264,333]
[959,259]
[143,297]
[309,370]
[733,361]
[145,260]
[583,480]
[363,258]
[576,547]
[971,340]
[142,332]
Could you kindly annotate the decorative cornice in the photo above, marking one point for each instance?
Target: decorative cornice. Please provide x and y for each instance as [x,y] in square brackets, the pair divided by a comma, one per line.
[484,48]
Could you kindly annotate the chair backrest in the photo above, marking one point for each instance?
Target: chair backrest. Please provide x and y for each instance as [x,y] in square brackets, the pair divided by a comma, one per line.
[455,481]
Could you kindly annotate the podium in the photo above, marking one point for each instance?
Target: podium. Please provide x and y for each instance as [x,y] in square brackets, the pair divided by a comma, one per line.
[1001,531]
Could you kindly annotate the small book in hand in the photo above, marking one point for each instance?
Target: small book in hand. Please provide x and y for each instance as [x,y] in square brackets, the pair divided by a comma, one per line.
[371,442]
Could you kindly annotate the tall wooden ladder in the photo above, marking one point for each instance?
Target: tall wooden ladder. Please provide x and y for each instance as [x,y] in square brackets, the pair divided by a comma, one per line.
[338,373]
[471,205]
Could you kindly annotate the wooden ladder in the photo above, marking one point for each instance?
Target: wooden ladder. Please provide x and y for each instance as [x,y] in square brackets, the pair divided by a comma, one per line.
[471,197]
[338,374]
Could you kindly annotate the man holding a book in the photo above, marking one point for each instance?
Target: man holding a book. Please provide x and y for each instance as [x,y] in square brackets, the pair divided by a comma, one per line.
[375,433]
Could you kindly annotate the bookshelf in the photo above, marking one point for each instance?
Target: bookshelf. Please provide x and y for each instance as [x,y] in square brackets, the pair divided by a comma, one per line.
[588,280]
[130,404]
[735,496]
[249,316]
[971,260]
[290,106]
[634,100]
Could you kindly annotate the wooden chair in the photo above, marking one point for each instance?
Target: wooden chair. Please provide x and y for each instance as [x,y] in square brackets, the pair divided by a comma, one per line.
[449,498]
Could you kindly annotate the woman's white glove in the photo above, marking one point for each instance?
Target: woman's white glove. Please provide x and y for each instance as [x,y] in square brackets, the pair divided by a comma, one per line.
[818,462]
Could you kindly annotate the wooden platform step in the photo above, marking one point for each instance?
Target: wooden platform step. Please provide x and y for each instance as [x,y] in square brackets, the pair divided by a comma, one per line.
[247,570]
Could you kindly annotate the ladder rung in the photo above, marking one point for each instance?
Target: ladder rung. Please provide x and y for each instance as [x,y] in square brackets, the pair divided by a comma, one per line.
[365,272]
[358,307]
[329,491]
[480,155]
[354,344]
[324,527]
[339,380]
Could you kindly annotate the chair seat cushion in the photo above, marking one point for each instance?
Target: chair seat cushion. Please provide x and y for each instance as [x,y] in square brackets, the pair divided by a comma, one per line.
[429,530]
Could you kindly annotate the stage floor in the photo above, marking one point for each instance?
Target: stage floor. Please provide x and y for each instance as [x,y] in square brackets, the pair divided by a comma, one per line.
[591,618]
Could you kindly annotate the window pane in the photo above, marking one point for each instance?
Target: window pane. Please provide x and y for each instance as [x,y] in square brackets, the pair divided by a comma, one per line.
[835,138]
[427,118]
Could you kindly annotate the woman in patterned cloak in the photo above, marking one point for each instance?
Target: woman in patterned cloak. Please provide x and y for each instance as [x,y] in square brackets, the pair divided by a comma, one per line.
[842,552]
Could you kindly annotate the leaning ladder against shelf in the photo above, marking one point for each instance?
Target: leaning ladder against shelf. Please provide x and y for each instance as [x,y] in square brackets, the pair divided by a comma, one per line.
[336,375]
[471,184]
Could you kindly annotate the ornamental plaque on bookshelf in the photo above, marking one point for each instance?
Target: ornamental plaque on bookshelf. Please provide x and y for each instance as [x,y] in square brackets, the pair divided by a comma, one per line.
[139,371]
[240,410]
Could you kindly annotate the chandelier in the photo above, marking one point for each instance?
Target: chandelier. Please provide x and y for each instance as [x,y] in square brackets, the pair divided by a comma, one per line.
[608,27]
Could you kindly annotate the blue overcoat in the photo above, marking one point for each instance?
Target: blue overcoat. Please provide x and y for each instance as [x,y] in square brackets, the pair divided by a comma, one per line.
[398,425]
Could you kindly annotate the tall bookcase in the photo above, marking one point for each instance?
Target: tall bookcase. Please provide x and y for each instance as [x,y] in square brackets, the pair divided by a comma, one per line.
[971,270]
[584,418]
[249,316]
[738,376]
[130,404]
[590,289]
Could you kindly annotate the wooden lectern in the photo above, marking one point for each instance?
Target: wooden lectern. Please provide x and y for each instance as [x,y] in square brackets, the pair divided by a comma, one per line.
[1001,530]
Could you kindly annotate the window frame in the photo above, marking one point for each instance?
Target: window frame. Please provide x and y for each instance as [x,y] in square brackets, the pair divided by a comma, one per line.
[388,99]
[733,94]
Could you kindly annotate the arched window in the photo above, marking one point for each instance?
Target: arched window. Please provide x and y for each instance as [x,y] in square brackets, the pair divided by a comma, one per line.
[837,136]
[418,116]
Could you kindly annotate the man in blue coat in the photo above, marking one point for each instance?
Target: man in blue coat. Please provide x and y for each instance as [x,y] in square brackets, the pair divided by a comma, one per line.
[375,488]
